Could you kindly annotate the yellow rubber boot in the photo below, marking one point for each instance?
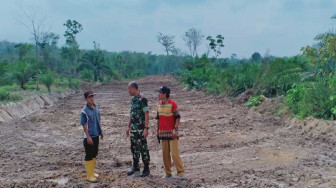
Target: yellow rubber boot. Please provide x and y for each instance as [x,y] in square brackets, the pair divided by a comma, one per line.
[89,171]
[94,164]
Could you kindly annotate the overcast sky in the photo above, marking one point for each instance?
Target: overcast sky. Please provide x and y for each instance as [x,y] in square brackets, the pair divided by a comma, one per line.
[282,26]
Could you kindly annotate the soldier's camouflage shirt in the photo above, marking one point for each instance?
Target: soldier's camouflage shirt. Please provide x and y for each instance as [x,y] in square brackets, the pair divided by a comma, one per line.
[139,105]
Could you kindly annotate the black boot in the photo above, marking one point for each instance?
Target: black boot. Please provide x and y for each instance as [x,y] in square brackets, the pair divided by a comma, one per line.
[145,172]
[135,168]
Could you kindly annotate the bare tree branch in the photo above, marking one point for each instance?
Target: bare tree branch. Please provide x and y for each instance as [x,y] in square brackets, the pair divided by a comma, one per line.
[167,42]
[193,38]
[36,28]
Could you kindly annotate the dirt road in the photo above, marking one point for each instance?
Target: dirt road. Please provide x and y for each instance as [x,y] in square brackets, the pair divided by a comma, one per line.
[222,145]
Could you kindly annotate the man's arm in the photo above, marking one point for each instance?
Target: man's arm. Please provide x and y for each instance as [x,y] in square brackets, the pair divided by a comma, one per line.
[145,109]
[101,131]
[128,129]
[147,119]
[158,127]
[145,133]
[86,131]
[177,118]
[177,123]
[84,122]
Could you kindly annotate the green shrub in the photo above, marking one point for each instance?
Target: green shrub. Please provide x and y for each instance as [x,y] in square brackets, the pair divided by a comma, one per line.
[47,79]
[295,96]
[312,99]
[5,78]
[61,82]
[30,86]
[22,72]
[254,101]
[4,95]
[115,75]
[279,76]
[73,83]
[86,75]
[196,79]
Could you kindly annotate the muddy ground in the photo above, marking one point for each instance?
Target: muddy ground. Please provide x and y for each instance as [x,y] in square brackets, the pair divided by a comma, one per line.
[222,144]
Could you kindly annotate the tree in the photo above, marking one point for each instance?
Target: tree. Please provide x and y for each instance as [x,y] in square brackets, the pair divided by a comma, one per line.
[23,49]
[37,28]
[322,55]
[22,72]
[48,47]
[216,44]
[71,49]
[94,60]
[233,57]
[256,57]
[47,79]
[86,74]
[193,39]
[121,64]
[167,41]
[5,78]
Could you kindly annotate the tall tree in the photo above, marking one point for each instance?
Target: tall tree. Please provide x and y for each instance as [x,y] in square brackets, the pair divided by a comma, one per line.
[48,47]
[167,41]
[71,49]
[193,38]
[256,57]
[94,60]
[322,55]
[121,64]
[216,44]
[36,26]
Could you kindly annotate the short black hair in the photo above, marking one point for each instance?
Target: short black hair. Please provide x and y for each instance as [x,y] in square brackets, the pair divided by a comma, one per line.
[134,85]
[166,90]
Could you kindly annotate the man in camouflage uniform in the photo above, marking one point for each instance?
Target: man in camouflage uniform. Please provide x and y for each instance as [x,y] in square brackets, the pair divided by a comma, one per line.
[138,130]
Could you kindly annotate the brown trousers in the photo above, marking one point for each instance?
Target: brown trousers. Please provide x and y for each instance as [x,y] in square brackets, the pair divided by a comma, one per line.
[170,150]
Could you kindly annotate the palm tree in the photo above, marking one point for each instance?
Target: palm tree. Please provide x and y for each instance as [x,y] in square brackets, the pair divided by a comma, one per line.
[47,79]
[22,72]
[94,60]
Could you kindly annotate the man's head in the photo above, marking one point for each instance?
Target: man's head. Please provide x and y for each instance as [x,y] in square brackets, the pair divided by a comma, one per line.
[164,92]
[133,88]
[89,97]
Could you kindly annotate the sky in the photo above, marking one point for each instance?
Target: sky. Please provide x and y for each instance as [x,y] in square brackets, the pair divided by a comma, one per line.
[281,26]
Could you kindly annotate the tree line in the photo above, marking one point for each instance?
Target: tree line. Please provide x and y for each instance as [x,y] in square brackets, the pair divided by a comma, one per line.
[306,81]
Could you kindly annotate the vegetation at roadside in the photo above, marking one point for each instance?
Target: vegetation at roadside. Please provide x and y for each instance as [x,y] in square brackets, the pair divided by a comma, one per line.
[307,81]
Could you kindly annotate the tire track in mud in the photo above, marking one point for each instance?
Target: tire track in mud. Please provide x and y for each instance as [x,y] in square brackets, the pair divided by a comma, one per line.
[222,144]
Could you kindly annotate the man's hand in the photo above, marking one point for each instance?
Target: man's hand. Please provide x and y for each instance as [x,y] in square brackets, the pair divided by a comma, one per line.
[128,132]
[89,140]
[101,137]
[175,134]
[145,133]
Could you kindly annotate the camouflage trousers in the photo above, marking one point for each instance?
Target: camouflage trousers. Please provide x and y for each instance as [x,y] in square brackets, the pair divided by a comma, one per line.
[139,147]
